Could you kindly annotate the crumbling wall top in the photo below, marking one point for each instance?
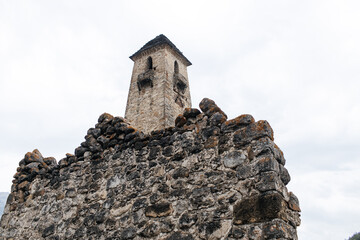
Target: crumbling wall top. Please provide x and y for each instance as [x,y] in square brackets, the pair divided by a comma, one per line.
[206,178]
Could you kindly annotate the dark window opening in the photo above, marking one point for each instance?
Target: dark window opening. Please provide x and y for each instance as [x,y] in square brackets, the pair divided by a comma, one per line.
[149,63]
[181,86]
[176,67]
[147,82]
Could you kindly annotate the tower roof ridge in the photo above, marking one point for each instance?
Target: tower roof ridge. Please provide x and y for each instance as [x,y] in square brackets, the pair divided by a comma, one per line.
[159,40]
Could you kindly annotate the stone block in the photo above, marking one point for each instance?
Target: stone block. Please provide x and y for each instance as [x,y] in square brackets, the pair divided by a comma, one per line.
[236,123]
[284,174]
[209,107]
[268,181]
[191,112]
[294,202]
[234,159]
[265,164]
[180,236]
[252,132]
[180,173]
[105,117]
[259,208]
[186,220]
[159,210]
[180,120]
[211,142]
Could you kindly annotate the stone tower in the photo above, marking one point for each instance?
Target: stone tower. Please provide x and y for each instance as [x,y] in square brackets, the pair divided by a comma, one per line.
[159,88]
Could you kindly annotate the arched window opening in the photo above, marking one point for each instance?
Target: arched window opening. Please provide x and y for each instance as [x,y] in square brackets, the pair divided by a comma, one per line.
[176,67]
[149,63]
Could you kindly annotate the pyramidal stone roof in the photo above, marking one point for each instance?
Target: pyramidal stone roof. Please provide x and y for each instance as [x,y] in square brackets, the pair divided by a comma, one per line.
[160,40]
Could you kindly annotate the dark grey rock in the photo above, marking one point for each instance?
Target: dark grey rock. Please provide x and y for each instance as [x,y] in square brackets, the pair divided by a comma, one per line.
[284,174]
[259,208]
[48,231]
[180,173]
[158,210]
[180,236]
[252,132]
[234,159]
[128,233]
[187,220]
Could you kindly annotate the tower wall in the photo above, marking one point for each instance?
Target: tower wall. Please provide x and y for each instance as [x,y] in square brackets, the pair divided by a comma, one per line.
[173,95]
[155,105]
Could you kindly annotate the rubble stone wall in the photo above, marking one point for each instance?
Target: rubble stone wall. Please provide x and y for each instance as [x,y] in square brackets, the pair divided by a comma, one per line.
[205,178]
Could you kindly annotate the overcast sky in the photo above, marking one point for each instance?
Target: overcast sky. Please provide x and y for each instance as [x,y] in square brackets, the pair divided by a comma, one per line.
[293,63]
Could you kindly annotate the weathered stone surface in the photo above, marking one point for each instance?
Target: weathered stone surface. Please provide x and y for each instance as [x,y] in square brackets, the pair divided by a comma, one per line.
[217,118]
[180,120]
[211,142]
[79,151]
[209,107]
[237,232]
[268,181]
[294,202]
[252,132]
[278,229]
[234,159]
[105,117]
[48,231]
[180,236]
[265,164]
[279,155]
[204,179]
[191,112]
[284,174]
[159,210]
[34,156]
[187,220]
[159,91]
[259,208]
[238,122]
[128,233]
[180,173]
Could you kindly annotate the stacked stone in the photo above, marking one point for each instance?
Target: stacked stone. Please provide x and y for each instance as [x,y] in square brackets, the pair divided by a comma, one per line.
[109,132]
[205,178]
[33,165]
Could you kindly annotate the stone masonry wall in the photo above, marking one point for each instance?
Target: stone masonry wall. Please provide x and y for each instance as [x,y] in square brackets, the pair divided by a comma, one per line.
[148,104]
[205,178]
[155,107]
